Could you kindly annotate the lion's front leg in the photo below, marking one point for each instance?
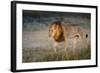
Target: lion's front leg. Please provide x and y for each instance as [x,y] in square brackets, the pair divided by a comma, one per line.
[55,47]
[65,45]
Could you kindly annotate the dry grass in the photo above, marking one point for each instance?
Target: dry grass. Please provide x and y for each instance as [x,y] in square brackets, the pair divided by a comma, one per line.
[44,55]
[38,48]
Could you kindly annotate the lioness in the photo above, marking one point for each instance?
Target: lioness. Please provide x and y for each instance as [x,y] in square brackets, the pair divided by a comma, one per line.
[58,32]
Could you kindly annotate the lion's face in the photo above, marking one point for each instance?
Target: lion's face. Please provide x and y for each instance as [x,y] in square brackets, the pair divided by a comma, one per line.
[55,31]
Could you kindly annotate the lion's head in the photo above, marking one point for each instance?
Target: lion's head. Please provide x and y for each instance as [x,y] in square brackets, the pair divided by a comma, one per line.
[56,31]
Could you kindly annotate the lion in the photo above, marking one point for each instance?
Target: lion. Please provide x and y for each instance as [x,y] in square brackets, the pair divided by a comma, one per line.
[58,32]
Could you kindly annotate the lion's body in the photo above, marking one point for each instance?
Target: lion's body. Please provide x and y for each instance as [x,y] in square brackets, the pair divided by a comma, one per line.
[60,33]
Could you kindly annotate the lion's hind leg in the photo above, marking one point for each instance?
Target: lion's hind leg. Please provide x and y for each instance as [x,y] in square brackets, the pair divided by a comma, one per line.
[75,49]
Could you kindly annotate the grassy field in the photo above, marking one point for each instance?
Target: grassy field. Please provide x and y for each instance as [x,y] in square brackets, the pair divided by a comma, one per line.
[36,44]
[37,47]
[43,55]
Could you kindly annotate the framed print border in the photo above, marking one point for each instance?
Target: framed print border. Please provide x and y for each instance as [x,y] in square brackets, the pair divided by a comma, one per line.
[14,35]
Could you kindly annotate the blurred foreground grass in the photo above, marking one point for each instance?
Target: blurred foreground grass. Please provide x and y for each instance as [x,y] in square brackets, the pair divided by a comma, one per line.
[44,55]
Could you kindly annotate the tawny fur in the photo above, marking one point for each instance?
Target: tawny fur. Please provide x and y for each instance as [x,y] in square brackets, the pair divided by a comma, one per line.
[60,33]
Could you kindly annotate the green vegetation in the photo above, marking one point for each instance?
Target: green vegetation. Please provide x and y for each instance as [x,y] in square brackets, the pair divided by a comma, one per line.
[43,55]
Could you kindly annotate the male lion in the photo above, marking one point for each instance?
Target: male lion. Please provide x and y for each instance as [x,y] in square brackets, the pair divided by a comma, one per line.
[60,33]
